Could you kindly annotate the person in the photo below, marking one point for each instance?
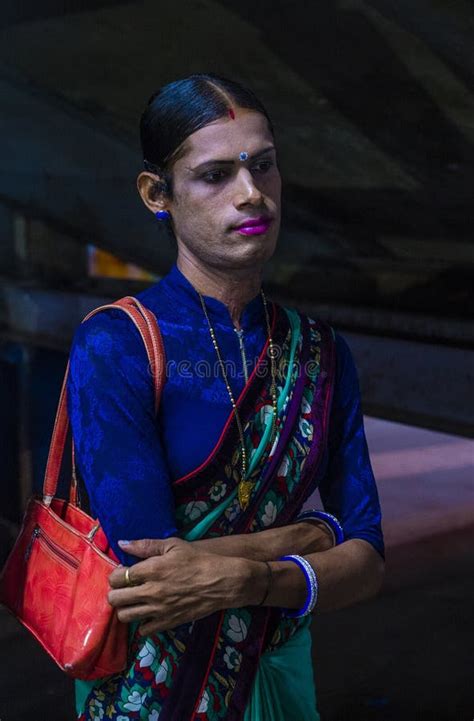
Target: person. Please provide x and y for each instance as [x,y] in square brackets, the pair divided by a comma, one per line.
[201,503]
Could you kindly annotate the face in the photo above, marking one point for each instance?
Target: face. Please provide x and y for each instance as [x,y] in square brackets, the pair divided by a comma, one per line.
[226,211]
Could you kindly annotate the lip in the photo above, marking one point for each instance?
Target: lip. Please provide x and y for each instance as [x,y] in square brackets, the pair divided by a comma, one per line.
[254,226]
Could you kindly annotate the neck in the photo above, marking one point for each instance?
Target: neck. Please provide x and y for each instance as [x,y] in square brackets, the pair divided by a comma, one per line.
[233,288]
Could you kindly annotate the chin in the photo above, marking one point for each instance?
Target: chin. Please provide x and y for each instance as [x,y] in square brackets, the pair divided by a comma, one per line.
[256,256]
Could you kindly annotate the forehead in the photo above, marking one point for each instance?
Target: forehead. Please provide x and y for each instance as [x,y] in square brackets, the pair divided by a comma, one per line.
[225,138]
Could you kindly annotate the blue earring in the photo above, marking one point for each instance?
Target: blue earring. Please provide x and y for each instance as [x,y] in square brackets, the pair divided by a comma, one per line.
[162,215]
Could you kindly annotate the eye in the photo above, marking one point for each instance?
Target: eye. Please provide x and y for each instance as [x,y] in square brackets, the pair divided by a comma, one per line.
[263,166]
[213,176]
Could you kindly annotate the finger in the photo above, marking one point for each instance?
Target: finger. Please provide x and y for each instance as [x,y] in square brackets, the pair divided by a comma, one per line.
[118,577]
[127,596]
[144,548]
[134,613]
[154,626]
[138,573]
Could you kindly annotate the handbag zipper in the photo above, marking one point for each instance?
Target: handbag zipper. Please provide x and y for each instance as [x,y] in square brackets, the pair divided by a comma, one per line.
[59,552]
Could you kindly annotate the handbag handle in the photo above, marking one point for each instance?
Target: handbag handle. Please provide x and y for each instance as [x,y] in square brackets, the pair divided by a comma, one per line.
[146,324]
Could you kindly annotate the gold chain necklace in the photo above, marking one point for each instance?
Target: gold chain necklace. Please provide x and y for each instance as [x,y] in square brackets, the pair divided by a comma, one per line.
[245,487]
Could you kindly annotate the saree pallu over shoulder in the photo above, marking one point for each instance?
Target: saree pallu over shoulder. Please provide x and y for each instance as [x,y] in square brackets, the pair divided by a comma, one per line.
[205,670]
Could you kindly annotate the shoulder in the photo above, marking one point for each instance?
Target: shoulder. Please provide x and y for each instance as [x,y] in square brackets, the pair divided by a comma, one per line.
[344,356]
[299,318]
[347,386]
[109,339]
[108,363]
[113,325]
[345,365]
[107,329]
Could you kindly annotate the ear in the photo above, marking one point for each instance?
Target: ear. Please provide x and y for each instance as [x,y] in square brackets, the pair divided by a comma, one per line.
[152,189]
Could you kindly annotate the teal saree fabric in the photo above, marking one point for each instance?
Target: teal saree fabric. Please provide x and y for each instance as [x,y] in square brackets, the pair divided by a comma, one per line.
[284,687]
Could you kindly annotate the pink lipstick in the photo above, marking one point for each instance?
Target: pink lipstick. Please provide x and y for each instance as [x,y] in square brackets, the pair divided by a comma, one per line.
[254,226]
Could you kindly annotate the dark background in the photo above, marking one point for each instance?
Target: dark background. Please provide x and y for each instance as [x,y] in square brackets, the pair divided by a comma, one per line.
[373,107]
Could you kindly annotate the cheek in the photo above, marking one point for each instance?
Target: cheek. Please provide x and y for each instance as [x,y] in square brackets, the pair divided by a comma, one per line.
[274,189]
[209,201]
[200,216]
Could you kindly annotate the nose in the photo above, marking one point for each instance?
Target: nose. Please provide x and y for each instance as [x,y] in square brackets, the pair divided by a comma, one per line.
[246,192]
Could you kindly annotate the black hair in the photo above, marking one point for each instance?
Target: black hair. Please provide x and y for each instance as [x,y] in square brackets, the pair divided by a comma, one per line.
[181,108]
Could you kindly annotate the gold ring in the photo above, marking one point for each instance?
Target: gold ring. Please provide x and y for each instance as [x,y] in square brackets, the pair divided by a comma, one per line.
[128,581]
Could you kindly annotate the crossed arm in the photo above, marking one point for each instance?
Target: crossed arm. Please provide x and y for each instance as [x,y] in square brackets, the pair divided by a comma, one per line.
[178,582]
[347,573]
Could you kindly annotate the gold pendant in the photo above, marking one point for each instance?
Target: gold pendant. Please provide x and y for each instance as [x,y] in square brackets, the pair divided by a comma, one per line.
[244,493]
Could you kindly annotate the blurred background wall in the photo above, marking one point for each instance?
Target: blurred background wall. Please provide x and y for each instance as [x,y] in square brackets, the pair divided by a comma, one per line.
[373,105]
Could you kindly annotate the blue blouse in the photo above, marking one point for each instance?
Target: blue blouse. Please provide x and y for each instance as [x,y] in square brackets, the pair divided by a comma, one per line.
[128,458]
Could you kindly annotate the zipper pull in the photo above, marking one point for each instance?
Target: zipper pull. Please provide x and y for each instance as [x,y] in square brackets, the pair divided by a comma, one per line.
[34,535]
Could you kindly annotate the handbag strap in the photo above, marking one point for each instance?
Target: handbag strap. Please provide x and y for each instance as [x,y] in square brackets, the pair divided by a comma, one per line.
[146,324]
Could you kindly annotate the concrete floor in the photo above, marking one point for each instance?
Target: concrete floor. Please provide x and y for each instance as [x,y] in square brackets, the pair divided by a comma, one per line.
[406,655]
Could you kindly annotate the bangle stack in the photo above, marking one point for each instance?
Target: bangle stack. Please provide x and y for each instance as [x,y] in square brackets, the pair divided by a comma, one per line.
[311,585]
[330,521]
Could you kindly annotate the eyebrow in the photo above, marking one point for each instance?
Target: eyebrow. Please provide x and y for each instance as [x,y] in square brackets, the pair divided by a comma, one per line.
[210,163]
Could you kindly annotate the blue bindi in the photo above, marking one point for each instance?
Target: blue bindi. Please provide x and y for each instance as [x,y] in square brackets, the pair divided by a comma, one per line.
[243,155]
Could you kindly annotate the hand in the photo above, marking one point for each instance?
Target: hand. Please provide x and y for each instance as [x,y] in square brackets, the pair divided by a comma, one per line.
[175,584]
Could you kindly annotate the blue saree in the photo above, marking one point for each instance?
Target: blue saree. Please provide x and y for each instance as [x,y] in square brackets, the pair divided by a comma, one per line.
[184,464]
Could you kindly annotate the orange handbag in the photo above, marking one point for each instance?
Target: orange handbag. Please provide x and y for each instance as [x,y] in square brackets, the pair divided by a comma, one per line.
[55,580]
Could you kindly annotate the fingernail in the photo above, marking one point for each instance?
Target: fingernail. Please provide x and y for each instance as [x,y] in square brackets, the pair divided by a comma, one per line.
[124,543]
